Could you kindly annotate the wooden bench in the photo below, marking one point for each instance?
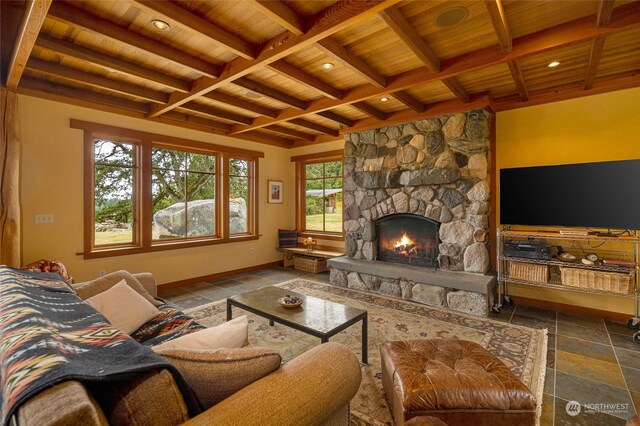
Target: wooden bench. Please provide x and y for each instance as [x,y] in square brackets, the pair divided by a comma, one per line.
[311,261]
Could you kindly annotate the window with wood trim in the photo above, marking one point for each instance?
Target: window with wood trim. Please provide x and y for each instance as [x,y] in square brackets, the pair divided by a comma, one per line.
[147,192]
[319,194]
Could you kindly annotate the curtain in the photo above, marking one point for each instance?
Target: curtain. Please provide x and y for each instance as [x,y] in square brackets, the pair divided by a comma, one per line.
[9,180]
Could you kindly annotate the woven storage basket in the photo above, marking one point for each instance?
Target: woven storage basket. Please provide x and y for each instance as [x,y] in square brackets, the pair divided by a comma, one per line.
[310,264]
[528,271]
[613,282]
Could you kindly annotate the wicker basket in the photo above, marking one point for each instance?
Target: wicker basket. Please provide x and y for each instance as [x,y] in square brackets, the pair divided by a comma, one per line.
[528,271]
[613,282]
[310,264]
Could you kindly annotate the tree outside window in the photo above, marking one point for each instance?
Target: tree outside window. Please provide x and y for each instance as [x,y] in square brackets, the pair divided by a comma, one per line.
[323,196]
[147,192]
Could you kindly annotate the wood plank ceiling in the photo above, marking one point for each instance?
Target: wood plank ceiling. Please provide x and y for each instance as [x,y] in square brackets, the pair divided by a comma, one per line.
[253,69]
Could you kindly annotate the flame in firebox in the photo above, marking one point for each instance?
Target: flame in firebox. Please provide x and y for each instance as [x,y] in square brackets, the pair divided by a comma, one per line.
[404,241]
[405,246]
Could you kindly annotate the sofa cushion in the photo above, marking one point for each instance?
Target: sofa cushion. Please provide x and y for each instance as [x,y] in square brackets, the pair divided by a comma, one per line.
[230,334]
[89,289]
[123,307]
[216,374]
[152,399]
[67,403]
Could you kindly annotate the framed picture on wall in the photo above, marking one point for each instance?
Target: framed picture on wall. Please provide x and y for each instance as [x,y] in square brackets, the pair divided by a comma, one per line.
[275,192]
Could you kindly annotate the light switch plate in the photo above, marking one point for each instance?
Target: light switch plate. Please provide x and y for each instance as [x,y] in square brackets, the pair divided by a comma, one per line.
[46,218]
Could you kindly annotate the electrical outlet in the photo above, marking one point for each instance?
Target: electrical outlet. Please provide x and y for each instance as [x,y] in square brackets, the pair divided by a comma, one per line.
[102,272]
[46,218]
[252,250]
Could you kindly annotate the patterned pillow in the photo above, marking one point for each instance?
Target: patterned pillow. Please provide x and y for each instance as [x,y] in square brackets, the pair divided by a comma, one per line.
[287,238]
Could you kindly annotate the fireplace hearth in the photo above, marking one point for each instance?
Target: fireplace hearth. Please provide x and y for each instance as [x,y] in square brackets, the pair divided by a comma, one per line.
[407,239]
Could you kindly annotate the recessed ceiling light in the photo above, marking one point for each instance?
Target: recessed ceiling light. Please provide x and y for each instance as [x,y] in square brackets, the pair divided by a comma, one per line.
[253,95]
[553,64]
[161,25]
[384,99]
[450,17]
[327,66]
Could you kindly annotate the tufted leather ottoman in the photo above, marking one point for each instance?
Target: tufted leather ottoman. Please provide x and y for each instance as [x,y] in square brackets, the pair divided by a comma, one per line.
[454,380]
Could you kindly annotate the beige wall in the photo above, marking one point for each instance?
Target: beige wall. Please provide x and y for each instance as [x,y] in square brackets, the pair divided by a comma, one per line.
[51,182]
[596,128]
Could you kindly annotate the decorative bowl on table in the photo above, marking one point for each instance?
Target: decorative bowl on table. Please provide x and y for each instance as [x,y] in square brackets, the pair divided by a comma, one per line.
[291,301]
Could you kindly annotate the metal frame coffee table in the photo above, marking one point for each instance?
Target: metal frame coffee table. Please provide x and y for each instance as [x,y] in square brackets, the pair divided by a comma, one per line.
[317,317]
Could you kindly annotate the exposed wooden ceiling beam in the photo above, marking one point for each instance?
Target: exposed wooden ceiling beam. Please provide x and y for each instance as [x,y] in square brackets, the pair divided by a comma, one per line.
[308,80]
[336,117]
[603,18]
[33,17]
[594,60]
[500,24]
[331,20]
[109,62]
[624,18]
[602,85]
[208,29]
[64,12]
[93,80]
[605,10]
[456,88]
[410,101]
[501,29]
[401,27]
[282,14]
[216,112]
[74,93]
[369,110]
[516,73]
[315,126]
[45,90]
[349,60]
[270,92]
[290,132]
[241,103]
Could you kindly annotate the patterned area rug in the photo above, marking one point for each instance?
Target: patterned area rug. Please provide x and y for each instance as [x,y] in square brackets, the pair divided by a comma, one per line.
[523,349]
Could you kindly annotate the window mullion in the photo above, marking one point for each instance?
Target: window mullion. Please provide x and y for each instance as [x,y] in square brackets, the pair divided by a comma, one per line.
[225,185]
[145,219]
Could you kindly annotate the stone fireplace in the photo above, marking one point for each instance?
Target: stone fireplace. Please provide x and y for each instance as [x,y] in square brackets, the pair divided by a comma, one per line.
[427,182]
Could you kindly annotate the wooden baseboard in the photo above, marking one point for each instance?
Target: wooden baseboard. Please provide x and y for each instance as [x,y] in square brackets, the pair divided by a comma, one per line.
[571,309]
[195,280]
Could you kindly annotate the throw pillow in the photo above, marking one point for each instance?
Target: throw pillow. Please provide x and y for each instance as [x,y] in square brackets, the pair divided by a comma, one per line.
[287,238]
[215,375]
[123,307]
[91,288]
[231,334]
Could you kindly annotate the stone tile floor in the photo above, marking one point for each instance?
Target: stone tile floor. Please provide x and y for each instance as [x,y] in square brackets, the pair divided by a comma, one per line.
[589,360]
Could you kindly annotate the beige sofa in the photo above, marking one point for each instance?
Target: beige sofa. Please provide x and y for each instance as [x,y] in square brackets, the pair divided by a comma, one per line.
[313,389]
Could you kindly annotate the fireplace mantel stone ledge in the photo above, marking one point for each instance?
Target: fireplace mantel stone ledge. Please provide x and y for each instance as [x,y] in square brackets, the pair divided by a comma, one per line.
[460,291]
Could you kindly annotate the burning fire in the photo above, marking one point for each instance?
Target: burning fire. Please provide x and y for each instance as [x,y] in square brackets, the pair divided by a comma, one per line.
[406,246]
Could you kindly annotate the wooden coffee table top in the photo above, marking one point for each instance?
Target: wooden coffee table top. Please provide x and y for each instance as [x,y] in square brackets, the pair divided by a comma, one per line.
[317,316]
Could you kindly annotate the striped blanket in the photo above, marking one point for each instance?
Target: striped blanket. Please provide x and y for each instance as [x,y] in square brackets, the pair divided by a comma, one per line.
[49,335]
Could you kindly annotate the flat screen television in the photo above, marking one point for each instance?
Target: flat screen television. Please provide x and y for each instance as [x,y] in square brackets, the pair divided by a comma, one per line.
[586,195]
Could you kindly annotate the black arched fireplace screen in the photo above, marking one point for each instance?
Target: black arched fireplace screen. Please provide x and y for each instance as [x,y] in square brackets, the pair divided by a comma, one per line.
[408,239]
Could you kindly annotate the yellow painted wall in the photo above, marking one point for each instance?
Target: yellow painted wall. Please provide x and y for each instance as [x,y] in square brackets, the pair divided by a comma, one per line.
[597,128]
[51,182]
